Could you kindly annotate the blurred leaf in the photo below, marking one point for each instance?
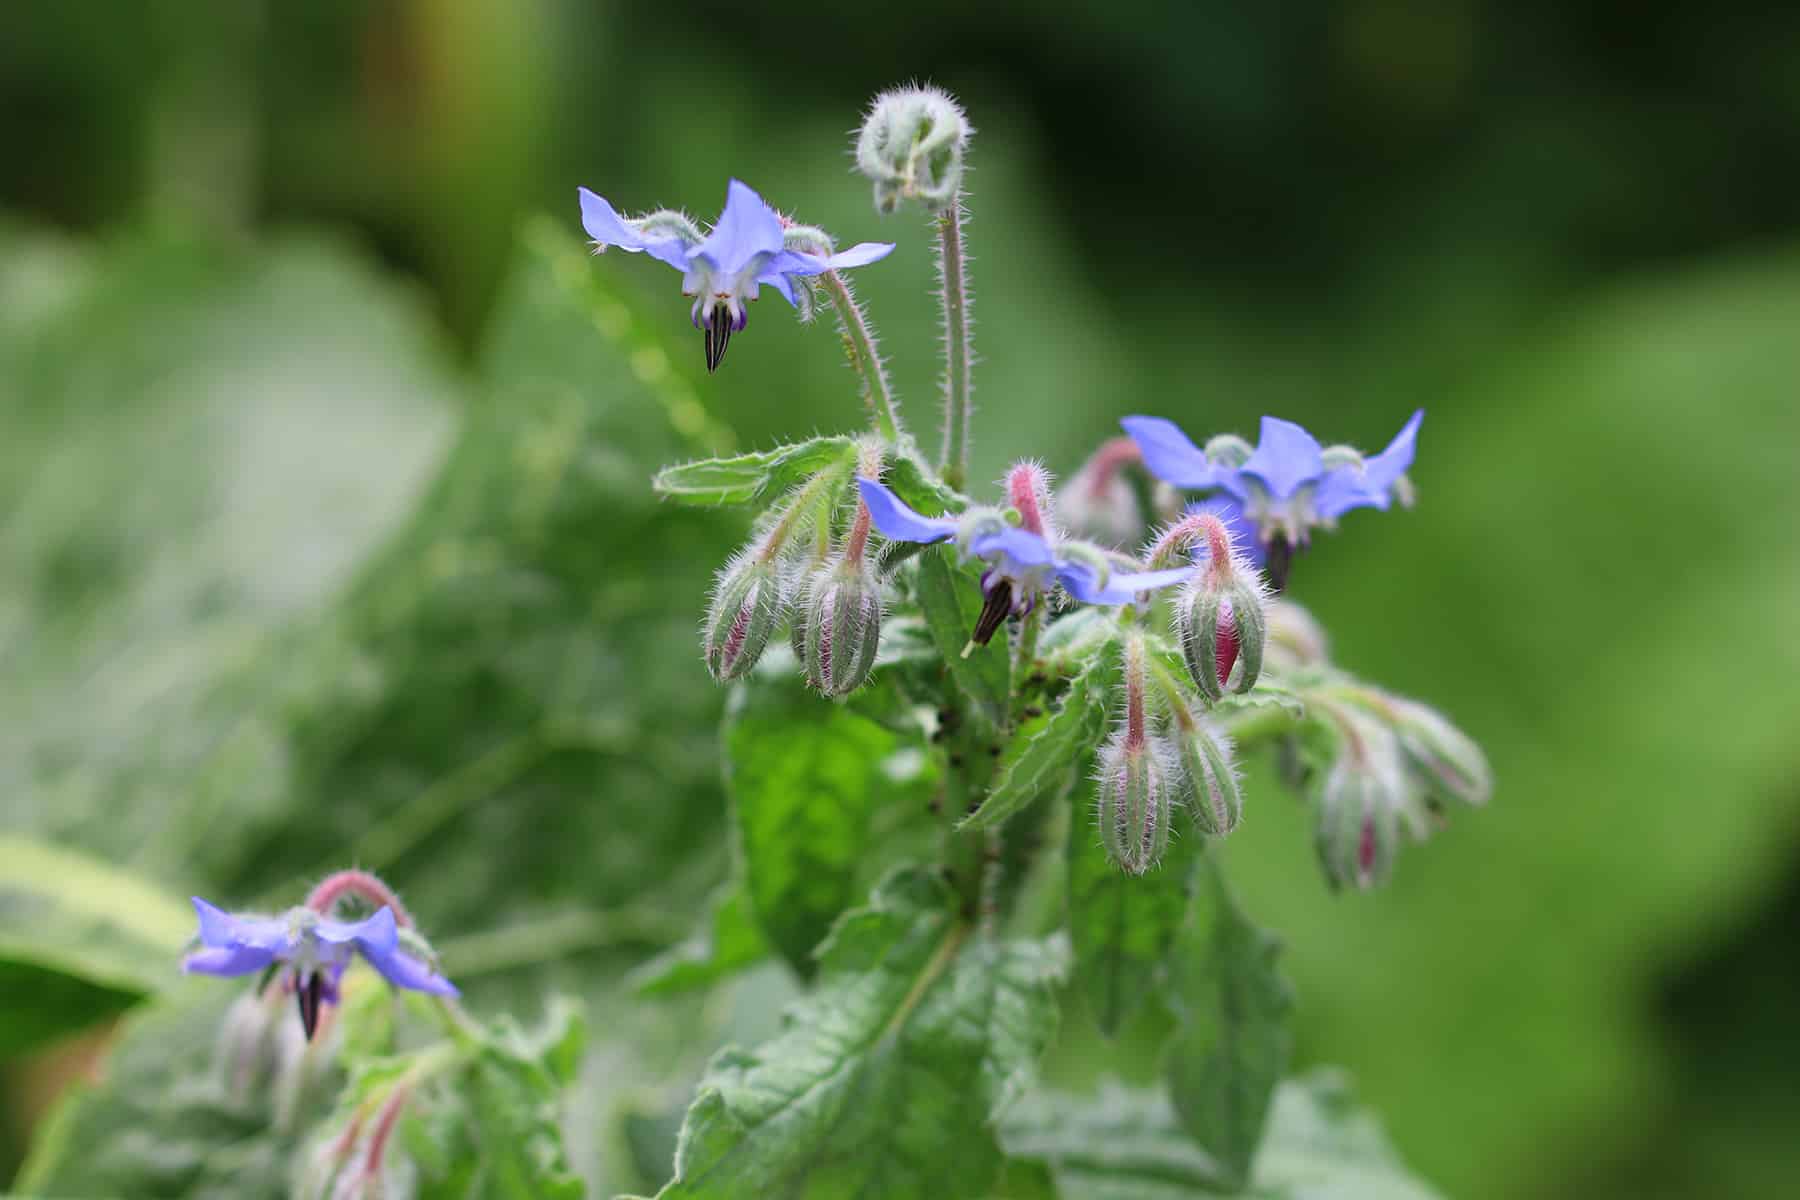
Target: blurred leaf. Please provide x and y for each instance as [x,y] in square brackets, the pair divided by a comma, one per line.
[201,445]
[161,1123]
[69,913]
[1126,1144]
[729,941]
[748,478]
[79,940]
[1234,1040]
[1122,926]
[1037,760]
[885,1080]
[950,596]
[810,782]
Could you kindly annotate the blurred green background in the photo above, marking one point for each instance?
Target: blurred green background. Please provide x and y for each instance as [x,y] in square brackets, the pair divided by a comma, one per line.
[309,539]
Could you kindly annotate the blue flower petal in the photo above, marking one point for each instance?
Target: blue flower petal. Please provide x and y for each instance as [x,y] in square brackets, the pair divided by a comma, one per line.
[1170,454]
[1385,469]
[222,930]
[896,521]
[228,960]
[747,228]
[1023,547]
[403,970]
[377,932]
[1286,456]
[1343,489]
[607,228]
[859,255]
[1122,587]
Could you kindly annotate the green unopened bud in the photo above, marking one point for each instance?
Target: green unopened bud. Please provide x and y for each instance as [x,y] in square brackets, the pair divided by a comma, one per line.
[1443,757]
[1207,763]
[1361,799]
[1133,807]
[911,147]
[1221,624]
[838,626]
[747,605]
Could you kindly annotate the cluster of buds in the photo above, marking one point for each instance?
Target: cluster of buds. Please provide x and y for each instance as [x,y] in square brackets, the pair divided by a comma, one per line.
[1164,753]
[797,569]
[1395,766]
[358,1156]
[911,147]
[1098,501]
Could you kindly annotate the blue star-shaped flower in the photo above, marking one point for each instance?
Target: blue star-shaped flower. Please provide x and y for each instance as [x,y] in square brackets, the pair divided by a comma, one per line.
[1288,485]
[1023,563]
[313,950]
[728,266]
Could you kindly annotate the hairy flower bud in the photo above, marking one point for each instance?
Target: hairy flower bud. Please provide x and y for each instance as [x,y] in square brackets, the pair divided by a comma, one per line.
[1442,757]
[1219,624]
[1098,501]
[747,605]
[1206,761]
[911,146]
[1295,638]
[1133,808]
[838,626]
[1361,801]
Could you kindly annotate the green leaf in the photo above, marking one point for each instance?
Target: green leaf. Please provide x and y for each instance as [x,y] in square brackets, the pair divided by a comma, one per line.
[950,595]
[1233,1009]
[1122,926]
[79,939]
[1127,1144]
[920,487]
[1037,761]
[161,1122]
[729,942]
[816,789]
[884,1084]
[746,478]
[512,1144]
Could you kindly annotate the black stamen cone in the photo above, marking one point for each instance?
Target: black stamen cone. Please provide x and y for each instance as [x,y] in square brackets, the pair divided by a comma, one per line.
[310,992]
[995,608]
[1281,557]
[718,336]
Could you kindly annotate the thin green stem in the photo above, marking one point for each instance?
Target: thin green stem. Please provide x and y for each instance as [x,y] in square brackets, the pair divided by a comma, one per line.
[865,357]
[959,353]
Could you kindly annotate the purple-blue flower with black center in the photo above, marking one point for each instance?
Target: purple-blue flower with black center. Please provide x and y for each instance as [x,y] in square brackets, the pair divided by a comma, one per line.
[1024,561]
[726,267]
[1287,485]
[312,951]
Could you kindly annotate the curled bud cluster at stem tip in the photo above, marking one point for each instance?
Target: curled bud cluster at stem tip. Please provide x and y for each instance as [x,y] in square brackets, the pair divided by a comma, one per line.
[838,626]
[1207,764]
[1098,501]
[1220,619]
[747,605]
[911,146]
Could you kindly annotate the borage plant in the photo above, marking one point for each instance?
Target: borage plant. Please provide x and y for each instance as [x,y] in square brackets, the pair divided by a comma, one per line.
[1019,716]
[978,791]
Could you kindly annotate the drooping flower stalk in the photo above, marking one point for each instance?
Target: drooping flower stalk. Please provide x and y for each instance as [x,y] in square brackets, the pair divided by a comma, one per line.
[361,885]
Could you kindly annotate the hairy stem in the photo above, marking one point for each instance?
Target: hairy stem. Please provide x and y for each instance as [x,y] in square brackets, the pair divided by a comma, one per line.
[959,354]
[361,885]
[865,356]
